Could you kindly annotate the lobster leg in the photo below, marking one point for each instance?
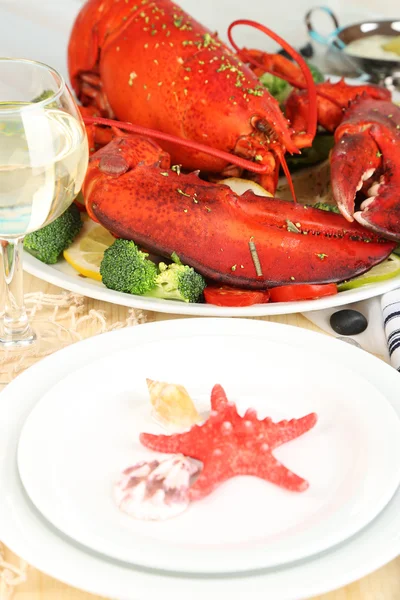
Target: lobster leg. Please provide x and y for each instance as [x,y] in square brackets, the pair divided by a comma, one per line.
[210,227]
[367,154]
[276,64]
[333,98]
[97,136]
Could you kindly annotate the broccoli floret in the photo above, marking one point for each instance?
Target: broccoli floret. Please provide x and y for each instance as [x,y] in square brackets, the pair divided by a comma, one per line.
[277,87]
[327,207]
[48,243]
[125,268]
[316,73]
[280,89]
[45,96]
[175,258]
[178,282]
[319,151]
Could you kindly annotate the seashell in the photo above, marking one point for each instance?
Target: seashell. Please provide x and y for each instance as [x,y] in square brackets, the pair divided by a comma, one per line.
[172,405]
[156,490]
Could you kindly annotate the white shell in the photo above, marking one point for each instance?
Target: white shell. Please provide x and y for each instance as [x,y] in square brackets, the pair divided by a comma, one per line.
[156,491]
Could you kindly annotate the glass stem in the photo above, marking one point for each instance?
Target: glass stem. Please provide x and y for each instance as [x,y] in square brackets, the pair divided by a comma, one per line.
[15,329]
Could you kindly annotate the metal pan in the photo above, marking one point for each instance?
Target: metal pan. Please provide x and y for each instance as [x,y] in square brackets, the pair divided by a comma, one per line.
[380,71]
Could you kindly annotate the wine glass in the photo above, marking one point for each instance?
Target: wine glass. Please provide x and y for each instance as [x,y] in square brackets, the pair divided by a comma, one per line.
[43,162]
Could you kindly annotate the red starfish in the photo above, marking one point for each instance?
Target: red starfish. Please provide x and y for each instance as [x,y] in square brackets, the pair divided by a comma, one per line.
[229,445]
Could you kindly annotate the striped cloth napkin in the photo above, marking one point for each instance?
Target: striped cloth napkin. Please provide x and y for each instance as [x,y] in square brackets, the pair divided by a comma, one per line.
[390,303]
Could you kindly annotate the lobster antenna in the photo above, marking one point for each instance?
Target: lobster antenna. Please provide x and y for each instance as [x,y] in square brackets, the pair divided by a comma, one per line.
[312,91]
[285,168]
[152,133]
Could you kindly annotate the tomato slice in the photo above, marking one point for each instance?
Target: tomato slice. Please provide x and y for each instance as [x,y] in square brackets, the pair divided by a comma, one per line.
[224,295]
[302,291]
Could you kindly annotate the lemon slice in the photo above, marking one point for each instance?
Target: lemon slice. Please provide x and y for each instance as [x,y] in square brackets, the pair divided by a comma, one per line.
[240,186]
[386,270]
[393,45]
[87,251]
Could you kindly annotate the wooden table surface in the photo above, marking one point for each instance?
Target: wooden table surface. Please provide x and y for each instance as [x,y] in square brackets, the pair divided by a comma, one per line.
[384,584]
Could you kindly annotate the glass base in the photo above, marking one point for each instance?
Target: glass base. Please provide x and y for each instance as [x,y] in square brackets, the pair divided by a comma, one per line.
[44,339]
[9,344]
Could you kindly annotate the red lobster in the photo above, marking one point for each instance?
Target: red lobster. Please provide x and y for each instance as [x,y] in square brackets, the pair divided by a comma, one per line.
[150,63]
[153,65]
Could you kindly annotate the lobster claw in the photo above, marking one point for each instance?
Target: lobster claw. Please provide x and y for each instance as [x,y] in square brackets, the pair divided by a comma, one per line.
[210,227]
[364,158]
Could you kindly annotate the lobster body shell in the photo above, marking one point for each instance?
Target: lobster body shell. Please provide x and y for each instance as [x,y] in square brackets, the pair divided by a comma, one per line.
[210,227]
[158,67]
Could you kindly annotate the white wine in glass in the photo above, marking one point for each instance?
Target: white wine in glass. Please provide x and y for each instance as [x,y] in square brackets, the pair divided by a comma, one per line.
[43,162]
[41,168]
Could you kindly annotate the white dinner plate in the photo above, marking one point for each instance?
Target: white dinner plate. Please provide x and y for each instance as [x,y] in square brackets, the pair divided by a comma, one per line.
[91,420]
[24,530]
